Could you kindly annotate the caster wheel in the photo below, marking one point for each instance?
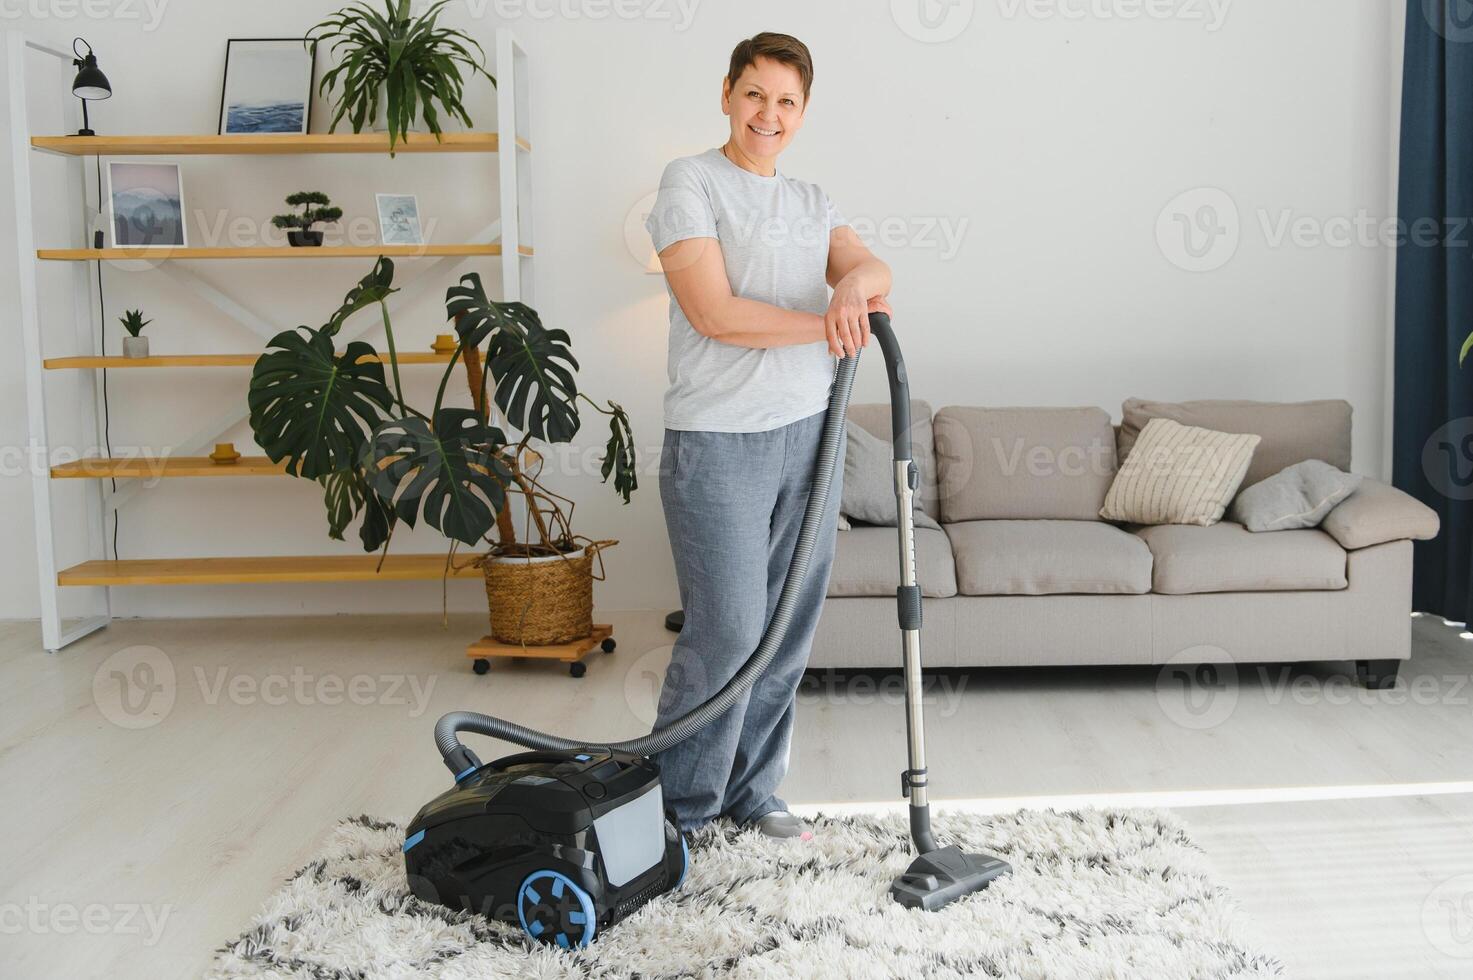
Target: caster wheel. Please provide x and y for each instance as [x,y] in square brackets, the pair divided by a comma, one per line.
[578,669]
[607,646]
[481,666]
[554,910]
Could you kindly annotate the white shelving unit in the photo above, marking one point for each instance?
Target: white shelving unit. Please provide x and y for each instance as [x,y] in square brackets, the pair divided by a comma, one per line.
[509,238]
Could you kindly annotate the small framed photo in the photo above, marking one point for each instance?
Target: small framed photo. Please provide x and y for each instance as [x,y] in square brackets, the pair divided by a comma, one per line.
[145,204]
[268,85]
[398,219]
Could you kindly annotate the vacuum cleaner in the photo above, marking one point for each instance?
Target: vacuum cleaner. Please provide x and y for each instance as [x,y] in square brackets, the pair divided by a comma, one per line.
[570,838]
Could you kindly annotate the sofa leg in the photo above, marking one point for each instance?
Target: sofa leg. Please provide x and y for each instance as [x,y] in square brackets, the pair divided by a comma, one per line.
[1377,675]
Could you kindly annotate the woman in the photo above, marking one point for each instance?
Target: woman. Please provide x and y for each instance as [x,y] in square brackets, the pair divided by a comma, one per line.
[748,255]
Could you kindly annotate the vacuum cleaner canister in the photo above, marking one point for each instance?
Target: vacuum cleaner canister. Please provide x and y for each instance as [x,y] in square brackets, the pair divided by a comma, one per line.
[562,843]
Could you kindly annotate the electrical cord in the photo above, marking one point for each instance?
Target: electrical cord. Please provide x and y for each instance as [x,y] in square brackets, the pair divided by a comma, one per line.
[102,349]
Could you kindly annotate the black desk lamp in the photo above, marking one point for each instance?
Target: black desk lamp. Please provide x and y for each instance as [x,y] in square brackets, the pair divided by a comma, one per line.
[90,82]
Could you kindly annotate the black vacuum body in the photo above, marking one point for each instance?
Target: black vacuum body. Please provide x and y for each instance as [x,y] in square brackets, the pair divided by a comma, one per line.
[562,843]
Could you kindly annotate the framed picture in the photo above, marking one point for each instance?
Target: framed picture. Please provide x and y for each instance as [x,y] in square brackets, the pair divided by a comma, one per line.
[268,85]
[398,219]
[145,204]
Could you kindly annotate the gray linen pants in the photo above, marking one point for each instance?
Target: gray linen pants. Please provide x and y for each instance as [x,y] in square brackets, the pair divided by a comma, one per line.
[734,502]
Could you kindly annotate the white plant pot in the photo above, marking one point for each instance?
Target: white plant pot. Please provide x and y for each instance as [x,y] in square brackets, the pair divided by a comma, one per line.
[135,346]
[381,116]
[540,560]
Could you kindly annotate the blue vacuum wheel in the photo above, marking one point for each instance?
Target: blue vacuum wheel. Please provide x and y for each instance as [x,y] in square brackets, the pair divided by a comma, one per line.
[553,909]
[684,862]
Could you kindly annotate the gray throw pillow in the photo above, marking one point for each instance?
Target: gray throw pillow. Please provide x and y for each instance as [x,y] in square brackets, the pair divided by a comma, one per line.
[869,481]
[1297,496]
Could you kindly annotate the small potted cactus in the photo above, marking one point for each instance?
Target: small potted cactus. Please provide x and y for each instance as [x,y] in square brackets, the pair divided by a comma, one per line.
[135,344]
[314,205]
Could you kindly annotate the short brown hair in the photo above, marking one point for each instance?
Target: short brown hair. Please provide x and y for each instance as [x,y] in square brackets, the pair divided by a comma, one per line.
[782,48]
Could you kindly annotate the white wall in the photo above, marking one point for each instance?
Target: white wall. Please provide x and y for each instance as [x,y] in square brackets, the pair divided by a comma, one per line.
[1048,137]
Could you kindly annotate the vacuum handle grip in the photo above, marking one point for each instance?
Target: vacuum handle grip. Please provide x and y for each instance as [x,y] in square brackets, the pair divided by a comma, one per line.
[880,329]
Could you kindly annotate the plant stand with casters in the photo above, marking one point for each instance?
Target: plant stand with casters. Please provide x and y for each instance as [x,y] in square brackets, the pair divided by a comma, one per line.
[570,653]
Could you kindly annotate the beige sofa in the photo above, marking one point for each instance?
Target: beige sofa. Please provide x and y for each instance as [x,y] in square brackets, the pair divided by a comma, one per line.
[1023,571]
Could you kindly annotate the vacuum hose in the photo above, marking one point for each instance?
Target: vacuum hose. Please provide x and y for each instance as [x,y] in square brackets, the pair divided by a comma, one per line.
[461,760]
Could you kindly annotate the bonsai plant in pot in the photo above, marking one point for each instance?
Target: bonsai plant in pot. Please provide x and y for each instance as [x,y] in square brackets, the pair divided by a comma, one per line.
[135,344]
[314,205]
[332,416]
[393,67]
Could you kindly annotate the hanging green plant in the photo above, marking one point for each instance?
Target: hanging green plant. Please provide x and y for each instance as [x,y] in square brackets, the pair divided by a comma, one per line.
[399,64]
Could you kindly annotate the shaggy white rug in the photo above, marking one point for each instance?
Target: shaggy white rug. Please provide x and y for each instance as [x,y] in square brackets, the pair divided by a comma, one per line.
[1094,894]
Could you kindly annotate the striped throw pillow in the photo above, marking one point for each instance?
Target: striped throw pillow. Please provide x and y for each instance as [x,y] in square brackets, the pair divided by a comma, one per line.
[1179,474]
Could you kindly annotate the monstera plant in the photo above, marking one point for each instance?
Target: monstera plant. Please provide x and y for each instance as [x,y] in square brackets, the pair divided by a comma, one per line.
[331,415]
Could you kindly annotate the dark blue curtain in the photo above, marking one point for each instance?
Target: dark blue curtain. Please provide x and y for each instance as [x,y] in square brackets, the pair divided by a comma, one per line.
[1433,437]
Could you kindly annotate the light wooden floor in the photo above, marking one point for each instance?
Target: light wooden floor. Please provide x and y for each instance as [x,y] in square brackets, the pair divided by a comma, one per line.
[277,728]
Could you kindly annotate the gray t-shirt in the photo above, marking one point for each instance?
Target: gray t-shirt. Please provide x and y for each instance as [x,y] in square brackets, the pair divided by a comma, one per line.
[774,235]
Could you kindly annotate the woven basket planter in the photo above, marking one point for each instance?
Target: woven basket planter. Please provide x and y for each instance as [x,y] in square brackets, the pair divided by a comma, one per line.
[542,600]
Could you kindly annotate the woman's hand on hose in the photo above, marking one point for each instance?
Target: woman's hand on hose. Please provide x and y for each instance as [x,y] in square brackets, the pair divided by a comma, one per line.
[846,323]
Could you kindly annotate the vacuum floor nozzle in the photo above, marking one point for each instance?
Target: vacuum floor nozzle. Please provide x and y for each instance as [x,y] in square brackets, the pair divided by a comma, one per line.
[940,877]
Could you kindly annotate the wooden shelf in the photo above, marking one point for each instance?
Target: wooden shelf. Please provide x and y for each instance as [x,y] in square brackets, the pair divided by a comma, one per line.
[270,252]
[155,467]
[207,360]
[225,571]
[269,143]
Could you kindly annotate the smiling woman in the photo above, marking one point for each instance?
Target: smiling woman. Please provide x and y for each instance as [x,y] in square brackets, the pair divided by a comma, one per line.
[749,255]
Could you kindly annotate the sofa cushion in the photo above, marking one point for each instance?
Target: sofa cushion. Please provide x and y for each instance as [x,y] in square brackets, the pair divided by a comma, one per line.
[1023,463]
[1179,474]
[1048,558]
[869,481]
[1292,431]
[875,419]
[1299,496]
[867,563]
[1227,557]
[1377,513]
